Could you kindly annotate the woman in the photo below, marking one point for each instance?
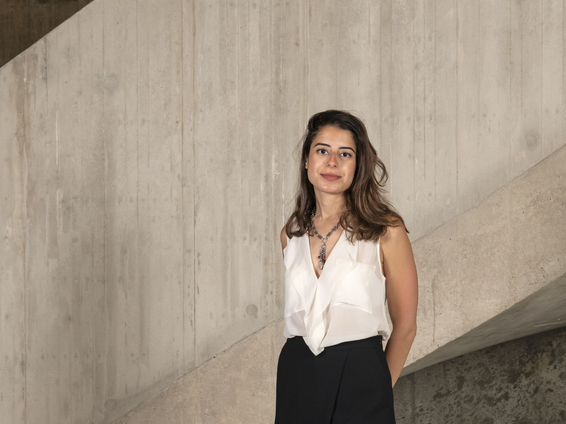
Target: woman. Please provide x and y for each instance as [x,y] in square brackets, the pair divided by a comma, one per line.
[344,249]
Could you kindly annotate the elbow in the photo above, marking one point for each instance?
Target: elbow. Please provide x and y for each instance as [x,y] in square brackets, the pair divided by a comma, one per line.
[406,331]
[411,332]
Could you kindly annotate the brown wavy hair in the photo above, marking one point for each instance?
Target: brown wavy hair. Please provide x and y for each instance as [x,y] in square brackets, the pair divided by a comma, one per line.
[368,212]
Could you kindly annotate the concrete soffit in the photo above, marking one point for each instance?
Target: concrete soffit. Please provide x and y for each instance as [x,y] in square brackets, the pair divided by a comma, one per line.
[544,310]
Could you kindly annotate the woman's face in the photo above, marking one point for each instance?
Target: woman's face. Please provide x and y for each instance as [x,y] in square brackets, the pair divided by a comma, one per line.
[331,162]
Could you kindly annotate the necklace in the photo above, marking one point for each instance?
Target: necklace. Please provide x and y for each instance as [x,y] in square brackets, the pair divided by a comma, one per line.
[322,253]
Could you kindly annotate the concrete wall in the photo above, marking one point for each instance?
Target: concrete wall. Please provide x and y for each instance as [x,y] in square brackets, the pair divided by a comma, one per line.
[23,22]
[238,386]
[495,272]
[146,167]
[522,381]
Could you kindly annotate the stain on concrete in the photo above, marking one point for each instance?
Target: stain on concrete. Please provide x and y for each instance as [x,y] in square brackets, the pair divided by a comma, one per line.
[251,310]
[531,141]
[110,82]
[522,381]
[110,405]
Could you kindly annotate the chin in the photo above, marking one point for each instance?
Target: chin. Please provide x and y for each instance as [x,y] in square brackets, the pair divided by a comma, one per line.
[332,190]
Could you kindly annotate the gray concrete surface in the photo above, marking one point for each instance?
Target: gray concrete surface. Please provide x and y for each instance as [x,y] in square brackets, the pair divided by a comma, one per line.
[503,259]
[523,381]
[145,151]
[238,386]
[542,311]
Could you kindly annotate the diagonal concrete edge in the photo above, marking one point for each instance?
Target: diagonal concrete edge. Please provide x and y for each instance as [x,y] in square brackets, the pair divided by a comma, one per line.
[495,272]
[544,310]
[237,386]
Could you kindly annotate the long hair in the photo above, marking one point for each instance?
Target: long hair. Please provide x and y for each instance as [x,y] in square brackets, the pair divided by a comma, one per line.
[368,212]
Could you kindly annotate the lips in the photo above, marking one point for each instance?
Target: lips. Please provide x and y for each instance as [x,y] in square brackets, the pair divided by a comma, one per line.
[330,177]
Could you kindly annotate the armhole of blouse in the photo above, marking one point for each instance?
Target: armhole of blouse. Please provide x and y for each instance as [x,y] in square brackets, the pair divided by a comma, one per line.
[287,245]
[379,258]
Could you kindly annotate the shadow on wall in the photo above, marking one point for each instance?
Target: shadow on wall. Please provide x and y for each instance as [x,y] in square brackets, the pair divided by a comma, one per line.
[29,20]
[522,381]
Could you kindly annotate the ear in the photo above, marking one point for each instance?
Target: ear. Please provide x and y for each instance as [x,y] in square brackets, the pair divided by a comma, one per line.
[306,163]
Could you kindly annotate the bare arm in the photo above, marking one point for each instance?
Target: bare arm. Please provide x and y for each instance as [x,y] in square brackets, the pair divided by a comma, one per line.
[283,237]
[402,295]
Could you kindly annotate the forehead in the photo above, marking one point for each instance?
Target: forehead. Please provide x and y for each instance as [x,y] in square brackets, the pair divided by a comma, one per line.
[334,137]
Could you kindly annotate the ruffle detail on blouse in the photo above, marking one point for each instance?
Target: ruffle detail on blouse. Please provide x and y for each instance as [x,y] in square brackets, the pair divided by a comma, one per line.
[347,301]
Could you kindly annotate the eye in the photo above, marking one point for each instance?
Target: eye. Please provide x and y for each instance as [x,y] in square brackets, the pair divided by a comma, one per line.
[321,151]
[345,154]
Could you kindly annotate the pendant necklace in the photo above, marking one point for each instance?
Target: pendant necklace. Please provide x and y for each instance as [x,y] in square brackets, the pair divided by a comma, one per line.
[322,253]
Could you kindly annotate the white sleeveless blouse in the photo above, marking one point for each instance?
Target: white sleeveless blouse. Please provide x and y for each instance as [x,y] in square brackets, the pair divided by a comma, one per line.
[347,301]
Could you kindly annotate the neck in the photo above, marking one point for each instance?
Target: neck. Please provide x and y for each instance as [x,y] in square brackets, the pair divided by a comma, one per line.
[329,206]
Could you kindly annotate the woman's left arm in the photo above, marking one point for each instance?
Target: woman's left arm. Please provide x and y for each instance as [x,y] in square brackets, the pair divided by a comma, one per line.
[402,295]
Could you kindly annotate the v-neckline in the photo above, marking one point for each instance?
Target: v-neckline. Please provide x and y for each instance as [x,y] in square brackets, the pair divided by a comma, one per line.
[312,265]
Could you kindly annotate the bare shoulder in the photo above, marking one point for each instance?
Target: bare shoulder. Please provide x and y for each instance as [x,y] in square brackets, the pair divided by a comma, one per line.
[394,234]
[283,238]
[395,240]
[398,260]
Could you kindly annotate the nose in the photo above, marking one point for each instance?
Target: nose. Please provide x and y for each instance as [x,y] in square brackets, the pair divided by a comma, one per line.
[332,160]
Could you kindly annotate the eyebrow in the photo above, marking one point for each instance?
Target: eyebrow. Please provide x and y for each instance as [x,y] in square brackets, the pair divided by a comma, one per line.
[327,145]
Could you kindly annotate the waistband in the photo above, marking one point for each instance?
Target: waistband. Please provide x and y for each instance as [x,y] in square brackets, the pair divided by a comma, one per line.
[371,342]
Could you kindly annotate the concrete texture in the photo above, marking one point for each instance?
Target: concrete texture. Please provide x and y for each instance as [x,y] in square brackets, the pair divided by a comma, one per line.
[23,22]
[503,259]
[146,171]
[522,381]
[238,386]
[542,311]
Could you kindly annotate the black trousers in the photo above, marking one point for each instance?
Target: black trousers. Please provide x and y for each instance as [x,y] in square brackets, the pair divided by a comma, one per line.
[346,383]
